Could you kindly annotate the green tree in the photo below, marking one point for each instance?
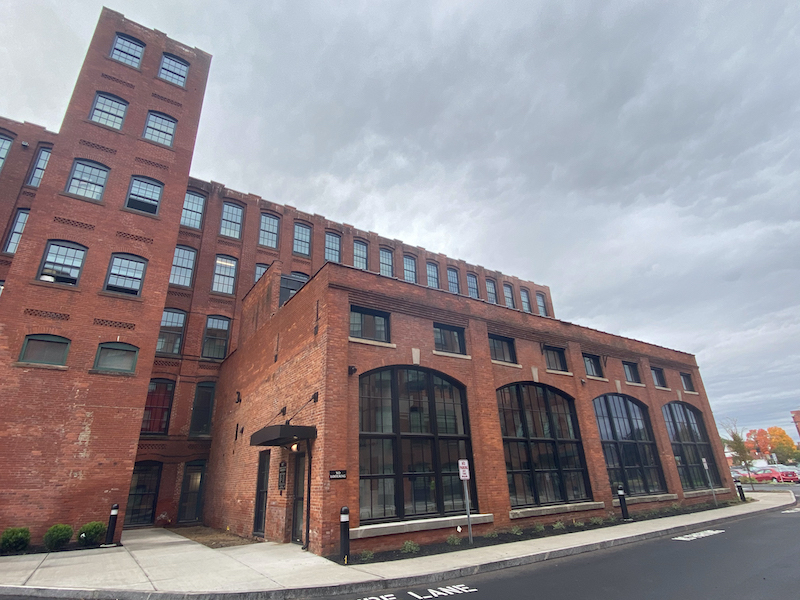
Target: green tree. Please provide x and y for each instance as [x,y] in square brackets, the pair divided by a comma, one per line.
[739,447]
[782,445]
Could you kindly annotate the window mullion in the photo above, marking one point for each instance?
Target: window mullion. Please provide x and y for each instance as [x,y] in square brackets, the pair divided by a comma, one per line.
[398,447]
[556,447]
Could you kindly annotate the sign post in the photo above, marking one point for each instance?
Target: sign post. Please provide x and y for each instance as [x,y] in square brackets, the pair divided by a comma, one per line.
[711,485]
[463,474]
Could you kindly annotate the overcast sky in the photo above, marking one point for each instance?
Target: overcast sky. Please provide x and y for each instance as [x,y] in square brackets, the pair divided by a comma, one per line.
[641,159]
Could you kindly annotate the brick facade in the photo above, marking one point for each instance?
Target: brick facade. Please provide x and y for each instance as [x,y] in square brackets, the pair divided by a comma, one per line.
[72,433]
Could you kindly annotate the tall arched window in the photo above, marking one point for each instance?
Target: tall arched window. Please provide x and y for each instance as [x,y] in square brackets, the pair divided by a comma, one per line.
[542,445]
[413,430]
[628,445]
[690,446]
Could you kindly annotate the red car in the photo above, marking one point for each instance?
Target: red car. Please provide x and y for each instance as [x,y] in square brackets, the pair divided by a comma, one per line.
[766,474]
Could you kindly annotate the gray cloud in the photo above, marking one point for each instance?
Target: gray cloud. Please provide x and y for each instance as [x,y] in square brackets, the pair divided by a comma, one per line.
[639,158]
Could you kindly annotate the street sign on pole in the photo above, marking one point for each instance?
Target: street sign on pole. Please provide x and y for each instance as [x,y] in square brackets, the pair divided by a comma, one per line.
[710,484]
[463,474]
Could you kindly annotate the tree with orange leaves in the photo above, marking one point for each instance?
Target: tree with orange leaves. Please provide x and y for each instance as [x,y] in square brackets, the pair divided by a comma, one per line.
[758,442]
[781,445]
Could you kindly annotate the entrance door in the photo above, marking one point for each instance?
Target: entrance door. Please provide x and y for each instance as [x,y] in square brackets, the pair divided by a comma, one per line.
[261,493]
[299,497]
[143,494]
[191,505]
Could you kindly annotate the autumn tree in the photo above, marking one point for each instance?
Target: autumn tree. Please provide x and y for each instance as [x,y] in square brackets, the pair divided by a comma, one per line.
[781,445]
[758,442]
[737,444]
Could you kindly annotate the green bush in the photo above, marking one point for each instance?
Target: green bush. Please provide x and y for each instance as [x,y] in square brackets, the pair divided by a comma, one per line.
[409,547]
[559,526]
[57,537]
[366,555]
[453,540]
[538,528]
[612,518]
[597,521]
[578,524]
[15,539]
[491,534]
[92,534]
[516,530]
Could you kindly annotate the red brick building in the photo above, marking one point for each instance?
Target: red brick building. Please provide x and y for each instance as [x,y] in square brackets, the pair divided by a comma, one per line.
[198,354]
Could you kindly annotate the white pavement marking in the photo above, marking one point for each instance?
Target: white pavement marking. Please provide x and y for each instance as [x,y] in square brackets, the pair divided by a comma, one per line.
[698,535]
[791,510]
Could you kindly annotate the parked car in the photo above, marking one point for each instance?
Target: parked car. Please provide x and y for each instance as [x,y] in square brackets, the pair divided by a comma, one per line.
[775,474]
[738,472]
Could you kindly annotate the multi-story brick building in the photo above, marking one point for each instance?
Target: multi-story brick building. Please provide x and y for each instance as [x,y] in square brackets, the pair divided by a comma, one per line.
[198,354]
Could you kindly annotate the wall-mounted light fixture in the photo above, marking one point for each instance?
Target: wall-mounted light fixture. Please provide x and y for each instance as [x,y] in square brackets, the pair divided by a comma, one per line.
[351,370]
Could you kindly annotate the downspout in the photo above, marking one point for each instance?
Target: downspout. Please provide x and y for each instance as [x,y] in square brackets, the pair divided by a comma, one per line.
[308,497]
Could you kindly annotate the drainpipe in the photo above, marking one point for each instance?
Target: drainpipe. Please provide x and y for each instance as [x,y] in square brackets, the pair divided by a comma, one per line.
[308,497]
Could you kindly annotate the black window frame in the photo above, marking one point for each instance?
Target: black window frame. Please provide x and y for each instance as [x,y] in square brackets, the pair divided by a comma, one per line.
[629,446]
[49,338]
[524,436]
[121,346]
[182,267]
[148,127]
[172,76]
[62,244]
[593,365]
[541,304]
[433,416]
[220,282]
[158,413]
[141,203]
[453,284]
[201,421]
[369,312]
[555,359]
[298,243]
[166,330]
[112,118]
[690,444]
[191,210]
[361,255]
[686,378]
[450,339]
[432,273]
[386,267]
[37,171]
[15,234]
[491,291]
[119,289]
[214,341]
[91,164]
[143,495]
[473,289]
[525,296]
[235,225]
[502,349]
[333,250]
[631,370]
[131,40]
[659,378]
[256,275]
[508,295]
[265,234]
[409,274]
[289,285]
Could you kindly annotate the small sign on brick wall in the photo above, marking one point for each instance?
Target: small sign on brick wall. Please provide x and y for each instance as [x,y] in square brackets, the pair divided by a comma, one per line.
[339,474]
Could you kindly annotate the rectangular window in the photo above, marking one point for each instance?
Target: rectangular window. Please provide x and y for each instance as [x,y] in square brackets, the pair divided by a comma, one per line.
[541,303]
[555,359]
[126,274]
[387,262]
[261,268]
[157,407]
[12,243]
[38,170]
[127,50]
[159,128]
[472,286]
[526,300]
[452,281]
[360,255]
[87,180]
[170,335]
[268,233]
[369,324]
[449,339]
[631,372]
[109,111]
[202,410]
[173,69]
[45,349]
[231,223]
[144,195]
[302,239]
[215,340]
[224,275]
[115,356]
[5,144]
[491,291]
[182,266]
[592,364]
[62,263]
[192,215]
[688,384]
[502,349]
[333,247]
[290,285]
[508,294]
[658,377]
[410,269]
[433,275]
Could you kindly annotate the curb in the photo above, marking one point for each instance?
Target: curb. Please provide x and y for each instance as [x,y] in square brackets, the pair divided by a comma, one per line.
[375,585]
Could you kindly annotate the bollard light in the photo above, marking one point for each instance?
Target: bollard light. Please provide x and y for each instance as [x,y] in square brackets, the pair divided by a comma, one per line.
[344,533]
[622,503]
[112,525]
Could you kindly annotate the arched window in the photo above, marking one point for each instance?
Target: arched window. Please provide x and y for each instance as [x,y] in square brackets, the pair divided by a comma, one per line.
[628,445]
[690,446]
[116,356]
[542,445]
[45,349]
[413,425]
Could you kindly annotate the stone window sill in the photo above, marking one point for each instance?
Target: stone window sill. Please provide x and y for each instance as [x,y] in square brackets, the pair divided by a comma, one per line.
[643,499]
[506,364]
[691,393]
[371,342]
[635,384]
[30,365]
[398,527]
[113,373]
[540,511]
[554,372]
[663,389]
[593,378]
[452,354]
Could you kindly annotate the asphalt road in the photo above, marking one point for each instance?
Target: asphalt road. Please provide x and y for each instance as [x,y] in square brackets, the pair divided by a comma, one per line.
[755,557]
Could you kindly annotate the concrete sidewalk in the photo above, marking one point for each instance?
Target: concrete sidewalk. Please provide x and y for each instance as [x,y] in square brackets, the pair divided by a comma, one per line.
[159,564]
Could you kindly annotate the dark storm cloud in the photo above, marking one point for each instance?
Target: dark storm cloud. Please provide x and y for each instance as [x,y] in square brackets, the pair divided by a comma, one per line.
[639,158]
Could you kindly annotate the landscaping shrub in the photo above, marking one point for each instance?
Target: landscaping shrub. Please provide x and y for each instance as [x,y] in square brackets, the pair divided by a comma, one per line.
[559,526]
[598,521]
[538,528]
[366,555]
[57,537]
[578,524]
[491,534]
[409,547]
[516,530]
[453,540]
[15,539]
[92,534]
